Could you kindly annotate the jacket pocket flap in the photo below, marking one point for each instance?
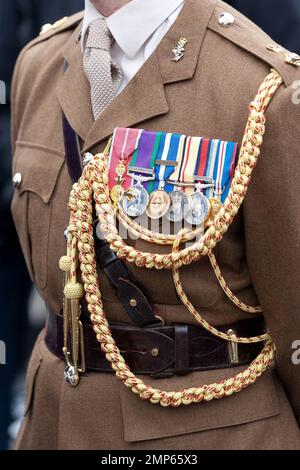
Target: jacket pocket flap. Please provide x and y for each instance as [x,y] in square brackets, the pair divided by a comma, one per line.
[32,161]
[144,421]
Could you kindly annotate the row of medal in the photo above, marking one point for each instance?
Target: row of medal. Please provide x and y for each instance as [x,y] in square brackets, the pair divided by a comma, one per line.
[176,206]
[169,175]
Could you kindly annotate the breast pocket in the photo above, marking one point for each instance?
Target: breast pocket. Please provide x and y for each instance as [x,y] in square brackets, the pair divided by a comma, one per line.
[36,169]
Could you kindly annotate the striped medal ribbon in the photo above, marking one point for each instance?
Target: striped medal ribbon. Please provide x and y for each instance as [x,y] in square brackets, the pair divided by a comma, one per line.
[168,160]
[124,143]
[188,163]
[141,172]
[143,160]
[165,163]
[216,161]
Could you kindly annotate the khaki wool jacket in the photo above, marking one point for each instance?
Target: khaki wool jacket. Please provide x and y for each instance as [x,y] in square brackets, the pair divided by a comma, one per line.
[207,93]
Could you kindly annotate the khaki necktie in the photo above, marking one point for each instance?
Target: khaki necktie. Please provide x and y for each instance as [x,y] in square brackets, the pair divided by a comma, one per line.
[104,76]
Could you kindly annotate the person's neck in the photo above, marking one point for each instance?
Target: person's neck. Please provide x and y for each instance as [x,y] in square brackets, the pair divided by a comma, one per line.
[108,7]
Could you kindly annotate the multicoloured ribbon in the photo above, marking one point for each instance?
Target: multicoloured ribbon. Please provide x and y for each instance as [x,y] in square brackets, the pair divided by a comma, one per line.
[125,141]
[167,157]
[187,167]
[145,155]
[217,160]
[209,158]
[193,157]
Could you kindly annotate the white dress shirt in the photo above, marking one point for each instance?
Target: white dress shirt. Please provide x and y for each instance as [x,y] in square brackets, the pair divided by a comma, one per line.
[137,28]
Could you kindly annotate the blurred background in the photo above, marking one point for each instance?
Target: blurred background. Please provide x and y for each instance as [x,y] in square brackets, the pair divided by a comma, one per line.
[21,311]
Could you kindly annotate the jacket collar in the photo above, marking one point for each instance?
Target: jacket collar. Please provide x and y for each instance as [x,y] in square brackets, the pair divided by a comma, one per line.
[132,37]
[144,97]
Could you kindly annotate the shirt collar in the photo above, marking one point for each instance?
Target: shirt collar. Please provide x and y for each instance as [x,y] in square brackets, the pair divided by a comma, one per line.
[132,24]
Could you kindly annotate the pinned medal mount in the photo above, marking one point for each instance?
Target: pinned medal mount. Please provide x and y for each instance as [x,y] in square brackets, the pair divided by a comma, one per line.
[196,209]
[168,175]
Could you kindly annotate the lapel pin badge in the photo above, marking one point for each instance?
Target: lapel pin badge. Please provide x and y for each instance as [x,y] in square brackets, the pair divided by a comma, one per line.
[179,50]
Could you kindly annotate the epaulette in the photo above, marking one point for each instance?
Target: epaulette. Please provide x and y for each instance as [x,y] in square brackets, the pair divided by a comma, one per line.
[235,27]
[49,30]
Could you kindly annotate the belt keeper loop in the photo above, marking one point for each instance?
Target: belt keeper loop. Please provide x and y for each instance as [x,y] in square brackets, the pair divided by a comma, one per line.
[181,337]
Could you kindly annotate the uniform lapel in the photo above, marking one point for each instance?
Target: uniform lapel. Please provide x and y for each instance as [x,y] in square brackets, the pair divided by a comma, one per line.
[73,90]
[191,24]
[145,96]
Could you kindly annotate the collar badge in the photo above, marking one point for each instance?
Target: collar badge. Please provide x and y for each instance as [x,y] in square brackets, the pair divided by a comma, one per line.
[179,50]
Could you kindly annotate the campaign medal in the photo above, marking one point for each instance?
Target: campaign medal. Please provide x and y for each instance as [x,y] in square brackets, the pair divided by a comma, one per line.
[180,206]
[135,201]
[200,208]
[159,204]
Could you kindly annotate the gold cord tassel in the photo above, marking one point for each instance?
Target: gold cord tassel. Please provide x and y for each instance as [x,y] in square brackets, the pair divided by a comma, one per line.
[73,292]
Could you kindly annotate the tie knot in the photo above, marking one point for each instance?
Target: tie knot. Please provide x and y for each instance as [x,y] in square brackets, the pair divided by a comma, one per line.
[99,36]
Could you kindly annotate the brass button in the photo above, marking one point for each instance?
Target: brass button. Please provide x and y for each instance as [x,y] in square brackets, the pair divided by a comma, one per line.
[17,180]
[154,352]
[133,303]
[226,19]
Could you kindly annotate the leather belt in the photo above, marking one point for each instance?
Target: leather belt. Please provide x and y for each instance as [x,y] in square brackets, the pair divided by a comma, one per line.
[162,351]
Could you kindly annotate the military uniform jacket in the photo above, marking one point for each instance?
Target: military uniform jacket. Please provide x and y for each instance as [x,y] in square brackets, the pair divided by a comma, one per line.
[206,93]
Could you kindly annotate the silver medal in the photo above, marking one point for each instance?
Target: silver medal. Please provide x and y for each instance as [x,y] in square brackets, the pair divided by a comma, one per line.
[180,206]
[135,201]
[200,208]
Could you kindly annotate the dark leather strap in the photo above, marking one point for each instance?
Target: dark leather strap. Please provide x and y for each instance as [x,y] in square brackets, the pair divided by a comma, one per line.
[182,348]
[71,142]
[161,351]
[128,291]
[131,294]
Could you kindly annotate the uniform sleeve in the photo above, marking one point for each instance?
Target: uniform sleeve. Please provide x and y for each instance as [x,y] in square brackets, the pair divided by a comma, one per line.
[18,99]
[272,232]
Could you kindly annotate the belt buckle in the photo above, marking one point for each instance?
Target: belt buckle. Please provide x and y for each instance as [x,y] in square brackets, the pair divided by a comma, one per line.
[233,348]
